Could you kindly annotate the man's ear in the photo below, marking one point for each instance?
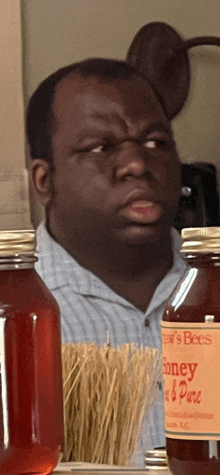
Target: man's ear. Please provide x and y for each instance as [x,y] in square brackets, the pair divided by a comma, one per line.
[41,180]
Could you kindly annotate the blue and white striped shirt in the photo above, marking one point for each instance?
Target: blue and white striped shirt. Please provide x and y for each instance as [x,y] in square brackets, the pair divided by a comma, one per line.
[90,309]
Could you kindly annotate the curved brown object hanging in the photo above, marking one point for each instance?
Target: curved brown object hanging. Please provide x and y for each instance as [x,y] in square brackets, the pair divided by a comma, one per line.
[160,54]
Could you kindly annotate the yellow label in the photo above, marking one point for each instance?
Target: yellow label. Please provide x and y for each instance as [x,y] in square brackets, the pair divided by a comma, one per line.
[191,369]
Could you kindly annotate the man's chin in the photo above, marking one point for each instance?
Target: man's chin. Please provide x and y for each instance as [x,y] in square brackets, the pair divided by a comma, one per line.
[141,235]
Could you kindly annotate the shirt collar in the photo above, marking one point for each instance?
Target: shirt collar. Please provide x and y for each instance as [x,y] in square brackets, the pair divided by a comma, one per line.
[58,269]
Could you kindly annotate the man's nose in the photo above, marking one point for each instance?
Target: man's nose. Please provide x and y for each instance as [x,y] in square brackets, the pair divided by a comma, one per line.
[132,161]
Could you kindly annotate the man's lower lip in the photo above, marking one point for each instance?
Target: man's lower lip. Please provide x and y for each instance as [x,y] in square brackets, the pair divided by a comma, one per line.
[143,213]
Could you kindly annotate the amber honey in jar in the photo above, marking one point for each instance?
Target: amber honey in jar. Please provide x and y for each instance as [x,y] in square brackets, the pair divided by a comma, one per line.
[31,418]
[191,359]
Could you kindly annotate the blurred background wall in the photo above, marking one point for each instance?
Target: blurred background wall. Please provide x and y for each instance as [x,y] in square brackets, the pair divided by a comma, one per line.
[14,203]
[55,33]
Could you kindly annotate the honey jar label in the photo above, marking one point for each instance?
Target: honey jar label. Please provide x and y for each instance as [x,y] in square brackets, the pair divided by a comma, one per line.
[191,371]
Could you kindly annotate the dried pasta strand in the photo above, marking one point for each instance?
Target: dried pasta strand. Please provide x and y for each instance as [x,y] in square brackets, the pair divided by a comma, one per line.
[107,393]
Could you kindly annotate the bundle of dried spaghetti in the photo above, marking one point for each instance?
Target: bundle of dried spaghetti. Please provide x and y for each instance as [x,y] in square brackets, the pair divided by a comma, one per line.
[107,393]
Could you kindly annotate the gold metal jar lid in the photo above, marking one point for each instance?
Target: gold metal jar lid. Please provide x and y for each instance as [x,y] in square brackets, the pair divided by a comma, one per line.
[17,242]
[204,240]
[156,459]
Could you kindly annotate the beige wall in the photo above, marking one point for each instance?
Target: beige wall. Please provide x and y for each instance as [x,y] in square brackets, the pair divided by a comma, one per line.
[58,32]
[14,206]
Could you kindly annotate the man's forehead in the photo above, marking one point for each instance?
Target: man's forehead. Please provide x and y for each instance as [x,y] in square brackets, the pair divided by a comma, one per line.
[73,83]
[74,87]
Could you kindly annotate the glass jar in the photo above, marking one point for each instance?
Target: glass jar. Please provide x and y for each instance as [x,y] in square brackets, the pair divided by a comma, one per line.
[191,358]
[31,407]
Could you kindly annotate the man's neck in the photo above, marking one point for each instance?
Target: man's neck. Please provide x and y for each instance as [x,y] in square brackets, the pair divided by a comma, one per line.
[137,275]
[133,272]
[137,285]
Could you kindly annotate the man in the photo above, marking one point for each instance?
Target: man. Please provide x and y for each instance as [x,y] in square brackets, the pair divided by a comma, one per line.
[106,169]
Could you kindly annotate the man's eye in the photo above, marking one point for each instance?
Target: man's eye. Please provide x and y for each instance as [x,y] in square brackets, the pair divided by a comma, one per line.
[98,149]
[157,143]
[104,148]
[150,144]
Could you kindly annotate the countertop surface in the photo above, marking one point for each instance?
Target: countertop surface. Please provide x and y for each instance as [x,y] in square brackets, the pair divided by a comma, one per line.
[91,468]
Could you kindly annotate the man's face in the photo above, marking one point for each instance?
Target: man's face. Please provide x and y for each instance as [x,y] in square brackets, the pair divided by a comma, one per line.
[117,173]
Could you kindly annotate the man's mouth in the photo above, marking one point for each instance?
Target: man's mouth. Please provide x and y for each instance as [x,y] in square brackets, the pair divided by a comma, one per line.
[140,208]
[142,211]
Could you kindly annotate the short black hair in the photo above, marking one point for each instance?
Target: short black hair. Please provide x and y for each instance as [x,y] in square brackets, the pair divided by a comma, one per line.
[40,120]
